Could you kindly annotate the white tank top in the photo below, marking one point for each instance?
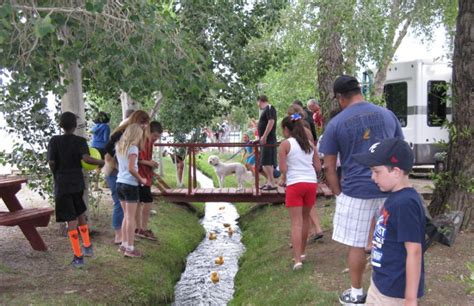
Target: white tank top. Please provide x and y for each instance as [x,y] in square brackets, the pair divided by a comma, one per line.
[300,165]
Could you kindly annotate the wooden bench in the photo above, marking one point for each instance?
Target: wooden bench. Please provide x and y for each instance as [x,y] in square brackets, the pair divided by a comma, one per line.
[27,219]
[38,217]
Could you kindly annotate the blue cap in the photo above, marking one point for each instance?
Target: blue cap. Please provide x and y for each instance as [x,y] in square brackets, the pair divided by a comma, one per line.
[394,152]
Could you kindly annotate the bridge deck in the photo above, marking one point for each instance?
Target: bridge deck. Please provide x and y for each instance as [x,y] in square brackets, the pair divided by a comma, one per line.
[228,194]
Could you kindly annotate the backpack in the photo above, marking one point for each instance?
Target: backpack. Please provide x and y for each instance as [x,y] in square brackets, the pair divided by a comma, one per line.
[442,228]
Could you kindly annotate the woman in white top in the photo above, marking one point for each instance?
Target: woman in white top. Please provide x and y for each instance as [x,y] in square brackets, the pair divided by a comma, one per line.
[299,162]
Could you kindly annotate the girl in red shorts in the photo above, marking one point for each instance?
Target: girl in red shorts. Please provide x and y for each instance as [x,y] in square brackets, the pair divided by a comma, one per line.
[299,162]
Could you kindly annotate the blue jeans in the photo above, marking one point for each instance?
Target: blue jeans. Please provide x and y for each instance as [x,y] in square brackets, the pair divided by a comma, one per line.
[117,213]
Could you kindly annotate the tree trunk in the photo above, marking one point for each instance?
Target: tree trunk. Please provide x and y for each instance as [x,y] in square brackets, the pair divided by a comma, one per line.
[73,99]
[127,103]
[330,63]
[455,192]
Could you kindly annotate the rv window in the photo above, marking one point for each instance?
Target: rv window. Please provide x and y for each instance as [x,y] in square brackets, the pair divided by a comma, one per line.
[436,102]
[396,99]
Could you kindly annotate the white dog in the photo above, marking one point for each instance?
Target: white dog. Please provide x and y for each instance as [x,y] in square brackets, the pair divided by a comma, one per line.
[225,169]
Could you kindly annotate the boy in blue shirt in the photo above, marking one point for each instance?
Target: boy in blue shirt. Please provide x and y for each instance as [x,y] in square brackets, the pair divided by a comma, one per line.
[397,251]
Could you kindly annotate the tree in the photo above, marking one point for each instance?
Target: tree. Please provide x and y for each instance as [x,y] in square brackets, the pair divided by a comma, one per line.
[96,46]
[455,188]
[346,35]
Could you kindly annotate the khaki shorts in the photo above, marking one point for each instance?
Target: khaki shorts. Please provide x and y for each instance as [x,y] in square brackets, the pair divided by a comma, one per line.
[376,298]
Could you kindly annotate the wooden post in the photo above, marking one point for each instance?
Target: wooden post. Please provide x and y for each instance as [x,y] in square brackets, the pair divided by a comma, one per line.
[194,168]
[257,169]
[190,185]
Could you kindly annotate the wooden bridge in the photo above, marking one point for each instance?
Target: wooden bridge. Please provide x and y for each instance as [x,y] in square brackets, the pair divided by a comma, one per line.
[194,194]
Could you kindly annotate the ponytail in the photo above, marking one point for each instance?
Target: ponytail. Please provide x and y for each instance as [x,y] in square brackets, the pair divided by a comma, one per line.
[294,124]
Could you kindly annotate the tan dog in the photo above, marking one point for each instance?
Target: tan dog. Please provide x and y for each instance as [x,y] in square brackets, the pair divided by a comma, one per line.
[225,169]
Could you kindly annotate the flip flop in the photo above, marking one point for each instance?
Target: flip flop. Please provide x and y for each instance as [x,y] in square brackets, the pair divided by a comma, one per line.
[263,186]
[266,187]
[315,237]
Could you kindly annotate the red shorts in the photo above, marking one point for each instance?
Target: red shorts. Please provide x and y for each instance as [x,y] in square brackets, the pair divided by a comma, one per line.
[301,194]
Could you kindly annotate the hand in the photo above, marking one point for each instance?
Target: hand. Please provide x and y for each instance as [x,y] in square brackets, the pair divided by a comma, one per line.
[154,164]
[410,302]
[282,183]
[263,139]
[143,180]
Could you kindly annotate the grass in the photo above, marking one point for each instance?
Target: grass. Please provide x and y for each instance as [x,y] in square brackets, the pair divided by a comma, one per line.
[265,274]
[108,277]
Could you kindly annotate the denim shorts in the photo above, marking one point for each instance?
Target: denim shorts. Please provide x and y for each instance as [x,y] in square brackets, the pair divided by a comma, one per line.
[127,193]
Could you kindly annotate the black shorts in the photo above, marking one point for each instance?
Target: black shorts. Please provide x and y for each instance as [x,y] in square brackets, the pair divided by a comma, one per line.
[268,156]
[144,194]
[127,193]
[69,206]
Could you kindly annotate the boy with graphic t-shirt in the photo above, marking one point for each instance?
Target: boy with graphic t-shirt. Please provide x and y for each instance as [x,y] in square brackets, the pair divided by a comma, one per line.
[398,241]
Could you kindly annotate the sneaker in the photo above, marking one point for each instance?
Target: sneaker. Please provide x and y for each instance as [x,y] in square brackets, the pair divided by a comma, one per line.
[87,251]
[298,266]
[133,254]
[149,235]
[78,262]
[346,299]
[121,249]
[140,233]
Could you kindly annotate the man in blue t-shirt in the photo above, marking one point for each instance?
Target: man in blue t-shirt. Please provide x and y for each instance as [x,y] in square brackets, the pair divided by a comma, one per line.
[358,126]
[398,240]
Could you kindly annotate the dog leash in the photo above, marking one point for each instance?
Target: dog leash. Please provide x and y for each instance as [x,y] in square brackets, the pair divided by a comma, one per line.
[232,157]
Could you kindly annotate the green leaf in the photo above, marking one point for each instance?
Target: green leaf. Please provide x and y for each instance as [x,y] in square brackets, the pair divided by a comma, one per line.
[5,10]
[43,27]
[90,6]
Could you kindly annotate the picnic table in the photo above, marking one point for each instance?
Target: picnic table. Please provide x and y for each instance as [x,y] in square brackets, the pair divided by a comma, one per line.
[26,218]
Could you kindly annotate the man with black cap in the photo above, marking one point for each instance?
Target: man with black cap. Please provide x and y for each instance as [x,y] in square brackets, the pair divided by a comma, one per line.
[354,130]
[399,236]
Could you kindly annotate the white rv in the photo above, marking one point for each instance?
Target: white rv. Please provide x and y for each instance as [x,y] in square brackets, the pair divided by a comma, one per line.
[417,93]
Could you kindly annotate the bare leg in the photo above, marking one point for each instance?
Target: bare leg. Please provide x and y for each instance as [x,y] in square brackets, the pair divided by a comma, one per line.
[357,261]
[123,229]
[138,216]
[296,216]
[131,209]
[368,249]
[146,207]
[268,170]
[304,237]
[314,223]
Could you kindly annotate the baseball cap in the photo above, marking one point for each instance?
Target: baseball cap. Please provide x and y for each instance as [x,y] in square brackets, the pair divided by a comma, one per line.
[393,152]
[345,83]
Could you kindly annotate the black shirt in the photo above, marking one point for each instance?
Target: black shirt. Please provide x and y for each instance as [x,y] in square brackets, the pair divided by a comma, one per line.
[312,127]
[268,113]
[110,146]
[66,151]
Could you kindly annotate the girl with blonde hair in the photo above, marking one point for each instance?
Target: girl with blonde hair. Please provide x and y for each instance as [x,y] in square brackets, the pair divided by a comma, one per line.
[137,117]
[128,180]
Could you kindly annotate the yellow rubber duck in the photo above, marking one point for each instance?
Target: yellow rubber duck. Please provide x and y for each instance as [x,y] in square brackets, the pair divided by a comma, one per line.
[214,277]
[230,231]
[226,224]
[212,236]
[219,260]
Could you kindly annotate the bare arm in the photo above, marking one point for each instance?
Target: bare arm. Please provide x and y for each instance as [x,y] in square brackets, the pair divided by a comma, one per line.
[331,173]
[316,161]
[413,272]
[268,129]
[90,160]
[149,163]
[131,168]
[52,166]
[282,154]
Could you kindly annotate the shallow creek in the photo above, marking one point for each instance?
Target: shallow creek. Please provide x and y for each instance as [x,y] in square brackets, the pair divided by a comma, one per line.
[196,286]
